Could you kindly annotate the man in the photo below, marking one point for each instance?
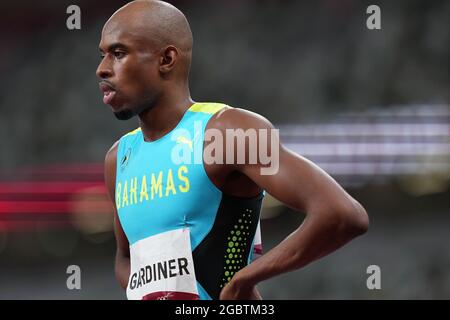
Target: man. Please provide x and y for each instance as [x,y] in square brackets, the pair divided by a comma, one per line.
[185,222]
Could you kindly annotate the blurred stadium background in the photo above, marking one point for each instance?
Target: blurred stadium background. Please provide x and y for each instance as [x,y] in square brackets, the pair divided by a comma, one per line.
[372,108]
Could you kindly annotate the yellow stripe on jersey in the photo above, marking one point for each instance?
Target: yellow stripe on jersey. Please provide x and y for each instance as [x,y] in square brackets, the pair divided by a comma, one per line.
[135,131]
[207,107]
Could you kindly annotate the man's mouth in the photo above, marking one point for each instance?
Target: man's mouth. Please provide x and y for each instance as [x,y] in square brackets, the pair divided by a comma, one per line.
[108,92]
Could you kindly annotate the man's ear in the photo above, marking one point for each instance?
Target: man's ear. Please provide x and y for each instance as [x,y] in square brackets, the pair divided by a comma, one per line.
[168,59]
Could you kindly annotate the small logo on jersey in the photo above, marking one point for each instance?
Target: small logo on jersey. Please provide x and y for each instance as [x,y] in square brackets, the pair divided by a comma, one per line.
[183,139]
[125,159]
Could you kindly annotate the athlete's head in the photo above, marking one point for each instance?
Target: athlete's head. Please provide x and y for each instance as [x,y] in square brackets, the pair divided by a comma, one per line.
[146,49]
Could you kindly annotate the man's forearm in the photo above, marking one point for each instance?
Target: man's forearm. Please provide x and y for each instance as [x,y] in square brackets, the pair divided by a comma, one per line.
[318,236]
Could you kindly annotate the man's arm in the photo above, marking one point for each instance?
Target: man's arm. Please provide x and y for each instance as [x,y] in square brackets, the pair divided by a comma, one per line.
[332,219]
[122,263]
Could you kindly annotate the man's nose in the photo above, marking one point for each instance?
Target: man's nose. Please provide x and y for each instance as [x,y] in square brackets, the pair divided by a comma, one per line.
[104,70]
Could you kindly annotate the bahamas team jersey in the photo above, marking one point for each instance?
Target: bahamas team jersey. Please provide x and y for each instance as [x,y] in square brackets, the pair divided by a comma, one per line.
[187,238]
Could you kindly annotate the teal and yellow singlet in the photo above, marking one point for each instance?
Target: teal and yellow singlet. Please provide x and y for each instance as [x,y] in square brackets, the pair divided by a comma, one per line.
[187,238]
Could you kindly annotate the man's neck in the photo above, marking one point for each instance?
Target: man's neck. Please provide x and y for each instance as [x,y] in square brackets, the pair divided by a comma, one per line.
[164,115]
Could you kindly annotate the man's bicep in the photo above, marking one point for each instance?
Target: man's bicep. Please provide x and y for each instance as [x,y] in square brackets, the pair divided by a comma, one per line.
[110,180]
[290,178]
[298,183]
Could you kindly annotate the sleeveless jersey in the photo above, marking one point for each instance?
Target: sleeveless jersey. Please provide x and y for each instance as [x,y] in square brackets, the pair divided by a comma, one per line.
[187,238]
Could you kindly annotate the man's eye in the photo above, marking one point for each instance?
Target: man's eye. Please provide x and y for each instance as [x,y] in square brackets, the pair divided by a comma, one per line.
[102,56]
[119,54]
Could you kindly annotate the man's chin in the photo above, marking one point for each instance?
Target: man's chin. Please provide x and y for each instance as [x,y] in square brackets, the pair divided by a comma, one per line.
[124,114]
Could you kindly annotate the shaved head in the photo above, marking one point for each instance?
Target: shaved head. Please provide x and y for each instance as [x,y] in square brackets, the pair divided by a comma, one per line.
[160,22]
[146,49]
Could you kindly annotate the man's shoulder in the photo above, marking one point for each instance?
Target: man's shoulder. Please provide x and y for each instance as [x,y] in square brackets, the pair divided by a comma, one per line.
[237,118]
[133,134]
[111,154]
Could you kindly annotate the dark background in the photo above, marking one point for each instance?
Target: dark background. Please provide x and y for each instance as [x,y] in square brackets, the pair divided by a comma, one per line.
[303,65]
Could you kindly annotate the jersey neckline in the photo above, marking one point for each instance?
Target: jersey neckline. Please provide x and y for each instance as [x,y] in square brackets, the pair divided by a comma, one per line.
[165,136]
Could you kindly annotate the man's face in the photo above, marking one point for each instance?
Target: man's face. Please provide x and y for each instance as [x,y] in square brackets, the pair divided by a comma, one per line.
[128,71]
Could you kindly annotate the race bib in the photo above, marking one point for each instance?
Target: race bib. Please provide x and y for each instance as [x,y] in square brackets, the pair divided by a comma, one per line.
[162,268]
